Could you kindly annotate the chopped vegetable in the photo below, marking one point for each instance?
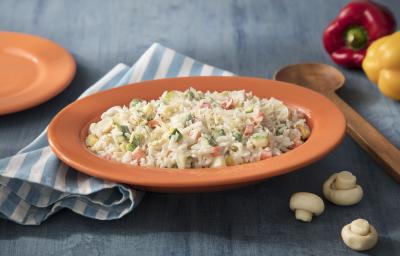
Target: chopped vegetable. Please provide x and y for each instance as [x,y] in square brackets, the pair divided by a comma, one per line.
[229,160]
[295,144]
[105,125]
[238,137]
[211,140]
[260,139]
[234,148]
[217,132]
[91,140]
[107,156]
[169,96]
[194,134]
[148,111]
[249,130]
[181,161]
[279,131]
[265,154]
[138,154]
[116,119]
[189,118]
[304,130]
[228,104]
[259,118]
[137,139]
[191,95]
[217,151]
[249,109]
[169,111]
[130,146]
[124,129]
[176,134]
[134,102]
[219,161]
[205,105]
[122,146]
[153,123]
[121,138]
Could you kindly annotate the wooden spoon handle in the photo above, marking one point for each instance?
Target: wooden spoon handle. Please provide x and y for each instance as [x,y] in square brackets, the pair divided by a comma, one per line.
[369,138]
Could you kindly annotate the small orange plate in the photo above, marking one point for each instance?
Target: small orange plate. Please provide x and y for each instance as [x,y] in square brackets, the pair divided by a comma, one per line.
[32,70]
[68,130]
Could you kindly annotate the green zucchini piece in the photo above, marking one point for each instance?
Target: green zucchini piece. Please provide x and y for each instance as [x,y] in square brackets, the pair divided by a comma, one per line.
[176,133]
[238,137]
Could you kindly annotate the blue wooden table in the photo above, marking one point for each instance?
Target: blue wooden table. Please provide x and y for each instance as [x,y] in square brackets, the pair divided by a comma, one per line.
[252,38]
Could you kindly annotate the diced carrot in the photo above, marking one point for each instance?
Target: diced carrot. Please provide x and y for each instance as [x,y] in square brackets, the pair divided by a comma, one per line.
[249,129]
[295,144]
[259,118]
[152,123]
[205,105]
[299,113]
[228,104]
[138,154]
[265,154]
[107,156]
[217,151]
[194,134]
[298,143]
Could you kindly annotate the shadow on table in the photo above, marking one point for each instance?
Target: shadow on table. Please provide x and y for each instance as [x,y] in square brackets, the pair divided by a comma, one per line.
[385,246]
[256,214]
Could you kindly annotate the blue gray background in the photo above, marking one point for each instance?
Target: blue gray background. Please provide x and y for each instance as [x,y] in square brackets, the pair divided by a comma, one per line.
[252,38]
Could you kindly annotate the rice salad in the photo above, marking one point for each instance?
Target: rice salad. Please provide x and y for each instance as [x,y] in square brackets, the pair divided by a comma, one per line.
[193,129]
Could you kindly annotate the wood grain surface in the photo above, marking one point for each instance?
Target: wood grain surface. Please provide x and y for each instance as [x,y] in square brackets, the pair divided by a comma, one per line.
[370,139]
[252,38]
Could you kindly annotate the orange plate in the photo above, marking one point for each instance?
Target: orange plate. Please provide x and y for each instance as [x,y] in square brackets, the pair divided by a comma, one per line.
[68,130]
[32,70]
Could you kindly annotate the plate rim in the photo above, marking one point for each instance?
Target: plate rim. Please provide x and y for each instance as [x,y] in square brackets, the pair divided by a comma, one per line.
[196,184]
[19,101]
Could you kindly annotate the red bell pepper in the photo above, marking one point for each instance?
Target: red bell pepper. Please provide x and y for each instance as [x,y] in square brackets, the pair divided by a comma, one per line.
[357,25]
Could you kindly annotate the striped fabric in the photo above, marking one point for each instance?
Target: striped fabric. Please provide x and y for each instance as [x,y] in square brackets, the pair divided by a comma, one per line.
[34,184]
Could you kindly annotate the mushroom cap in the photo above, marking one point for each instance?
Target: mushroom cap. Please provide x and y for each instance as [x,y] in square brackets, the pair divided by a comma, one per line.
[359,235]
[307,202]
[342,197]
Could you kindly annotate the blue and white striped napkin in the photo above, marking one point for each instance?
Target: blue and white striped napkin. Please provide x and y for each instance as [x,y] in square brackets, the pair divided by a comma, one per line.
[34,184]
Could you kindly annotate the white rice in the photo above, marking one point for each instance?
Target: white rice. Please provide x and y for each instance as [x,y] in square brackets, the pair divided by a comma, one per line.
[193,129]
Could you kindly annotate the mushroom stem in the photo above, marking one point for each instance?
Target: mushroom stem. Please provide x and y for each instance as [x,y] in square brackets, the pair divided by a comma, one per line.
[345,180]
[360,227]
[303,215]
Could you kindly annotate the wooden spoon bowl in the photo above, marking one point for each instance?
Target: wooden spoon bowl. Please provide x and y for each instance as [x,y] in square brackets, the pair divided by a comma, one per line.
[317,76]
[326,80]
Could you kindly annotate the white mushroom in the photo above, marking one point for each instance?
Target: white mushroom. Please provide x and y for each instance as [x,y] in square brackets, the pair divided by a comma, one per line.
[341,189]
[359,235]
[305,205]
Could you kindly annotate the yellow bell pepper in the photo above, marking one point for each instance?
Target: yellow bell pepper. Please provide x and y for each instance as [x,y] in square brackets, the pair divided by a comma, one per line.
[382,64]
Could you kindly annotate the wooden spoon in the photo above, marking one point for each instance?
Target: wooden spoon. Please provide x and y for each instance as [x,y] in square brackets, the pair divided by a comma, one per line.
[326,80]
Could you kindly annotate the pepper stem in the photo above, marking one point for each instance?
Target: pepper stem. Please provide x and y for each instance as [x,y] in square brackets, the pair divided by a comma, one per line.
[356,37]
